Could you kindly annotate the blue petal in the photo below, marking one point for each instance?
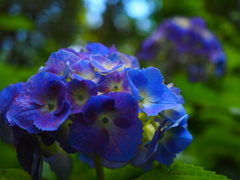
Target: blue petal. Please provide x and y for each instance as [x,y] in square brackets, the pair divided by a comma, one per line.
[123,143]
[98,48]
[8,94]
[38,87]
[22,113]
[163,156]
[177,139]
[167,100]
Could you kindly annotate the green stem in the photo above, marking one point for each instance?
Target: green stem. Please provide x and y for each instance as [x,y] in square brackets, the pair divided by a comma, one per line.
[98,167]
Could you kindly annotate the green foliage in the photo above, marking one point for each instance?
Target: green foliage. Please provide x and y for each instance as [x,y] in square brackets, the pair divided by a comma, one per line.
[181,172]
[13,23]
[13,174]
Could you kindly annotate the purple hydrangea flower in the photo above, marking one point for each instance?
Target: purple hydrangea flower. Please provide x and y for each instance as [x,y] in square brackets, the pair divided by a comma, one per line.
[43,106]
[108,126]
[186,44]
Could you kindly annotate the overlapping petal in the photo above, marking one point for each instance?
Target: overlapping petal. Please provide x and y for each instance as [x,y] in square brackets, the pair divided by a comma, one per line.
[84,69]
[57,61]
[105,128]
[147,87]
[105,65]
[116,81]
[78,92]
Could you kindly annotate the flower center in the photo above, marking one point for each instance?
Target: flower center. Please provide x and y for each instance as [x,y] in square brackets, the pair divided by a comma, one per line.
[80,97]
[51,105]
[105,120]
[115,87]
[141,99]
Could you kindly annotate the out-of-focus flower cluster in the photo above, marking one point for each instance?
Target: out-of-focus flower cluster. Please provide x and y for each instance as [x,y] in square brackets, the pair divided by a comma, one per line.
[185,44]
[94,102]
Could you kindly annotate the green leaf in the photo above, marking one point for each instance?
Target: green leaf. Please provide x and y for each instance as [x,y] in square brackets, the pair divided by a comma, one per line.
[13,174]
[12,23]
[181,171]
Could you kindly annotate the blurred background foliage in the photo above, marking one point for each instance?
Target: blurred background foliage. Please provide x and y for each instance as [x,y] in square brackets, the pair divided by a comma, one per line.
[31,30]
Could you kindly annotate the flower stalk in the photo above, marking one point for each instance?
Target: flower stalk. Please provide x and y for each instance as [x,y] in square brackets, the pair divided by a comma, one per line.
[98,167]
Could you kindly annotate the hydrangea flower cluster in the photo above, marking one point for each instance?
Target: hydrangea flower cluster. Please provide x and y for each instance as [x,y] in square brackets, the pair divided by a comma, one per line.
[185,43]
[95,102]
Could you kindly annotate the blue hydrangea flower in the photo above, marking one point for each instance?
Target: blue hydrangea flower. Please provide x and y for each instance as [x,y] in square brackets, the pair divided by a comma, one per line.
[185,44]
[96,102]
[108,126]
[43,106]
[148,88]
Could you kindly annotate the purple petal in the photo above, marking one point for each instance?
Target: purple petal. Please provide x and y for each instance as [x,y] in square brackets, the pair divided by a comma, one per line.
[84,69]
[22,112]
[85,137]
[116,81]
[133,60]
[49,121]
[78,92]
[57,61]
[113,49]
[96,106]
[86,55]
[126,109]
